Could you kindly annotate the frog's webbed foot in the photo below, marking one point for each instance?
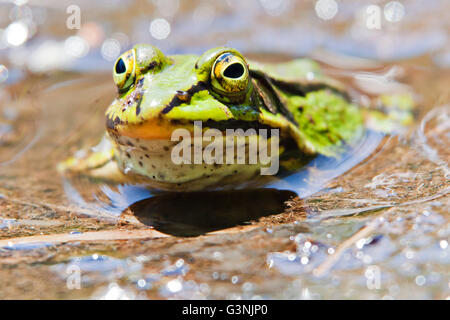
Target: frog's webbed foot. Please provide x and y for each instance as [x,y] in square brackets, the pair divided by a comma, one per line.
[392,113]
[97,162]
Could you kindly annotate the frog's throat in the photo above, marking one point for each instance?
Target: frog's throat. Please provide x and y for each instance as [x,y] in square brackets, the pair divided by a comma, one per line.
[150,162]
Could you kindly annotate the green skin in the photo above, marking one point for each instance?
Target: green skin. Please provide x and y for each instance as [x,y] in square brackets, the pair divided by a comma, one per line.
[158,94]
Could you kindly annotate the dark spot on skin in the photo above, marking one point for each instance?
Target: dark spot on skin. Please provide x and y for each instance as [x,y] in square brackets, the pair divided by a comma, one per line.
[128,155]
[150,66]
[153,166]
[154,177]
[141,164]
[146,155]
[144,148]
[130,143]
[235,171]
[139,95]
[138,107]
[176,101]
[166,148]
[111,124]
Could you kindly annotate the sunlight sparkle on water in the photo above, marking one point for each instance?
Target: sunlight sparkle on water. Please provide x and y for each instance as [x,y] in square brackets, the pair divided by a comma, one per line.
[326,9]
[204,15]
[174,286]
[167,8]
[420,280]
[115,292]
[394,11]
[275,7]
[160,28]
[141,283]
[16,33]
[110,49]
[76,46]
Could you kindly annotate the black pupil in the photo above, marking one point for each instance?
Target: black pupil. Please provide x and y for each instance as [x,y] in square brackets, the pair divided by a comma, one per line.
[235,70]
[120,66]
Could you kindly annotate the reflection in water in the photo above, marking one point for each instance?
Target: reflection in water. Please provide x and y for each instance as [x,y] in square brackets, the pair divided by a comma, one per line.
[195,213]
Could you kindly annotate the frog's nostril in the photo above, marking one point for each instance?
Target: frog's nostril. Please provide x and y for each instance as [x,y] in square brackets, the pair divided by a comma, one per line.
[120,66]
[234,71]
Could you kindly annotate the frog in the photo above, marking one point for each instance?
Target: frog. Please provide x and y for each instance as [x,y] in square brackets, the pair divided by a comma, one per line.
[157,94]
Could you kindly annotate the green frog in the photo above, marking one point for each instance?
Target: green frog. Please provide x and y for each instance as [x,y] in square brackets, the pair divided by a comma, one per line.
[220,90]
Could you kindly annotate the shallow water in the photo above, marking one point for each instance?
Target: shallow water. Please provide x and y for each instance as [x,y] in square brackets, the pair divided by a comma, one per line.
[371,224]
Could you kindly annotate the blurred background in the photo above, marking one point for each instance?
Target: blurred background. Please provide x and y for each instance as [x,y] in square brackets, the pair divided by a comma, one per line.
[41,36]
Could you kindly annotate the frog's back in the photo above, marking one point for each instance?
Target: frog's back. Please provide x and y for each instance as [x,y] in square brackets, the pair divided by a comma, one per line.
[321,110]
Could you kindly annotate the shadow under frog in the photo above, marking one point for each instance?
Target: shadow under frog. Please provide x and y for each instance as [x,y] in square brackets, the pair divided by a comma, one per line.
[196,213]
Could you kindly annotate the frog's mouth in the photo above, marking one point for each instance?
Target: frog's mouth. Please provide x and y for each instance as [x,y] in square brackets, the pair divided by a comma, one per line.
[162,129]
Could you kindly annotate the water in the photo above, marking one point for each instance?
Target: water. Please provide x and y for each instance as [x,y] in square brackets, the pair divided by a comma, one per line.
[371,224]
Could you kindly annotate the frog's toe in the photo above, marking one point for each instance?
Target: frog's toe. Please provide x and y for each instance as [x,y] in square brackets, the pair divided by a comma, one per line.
[96,165]
[86,161]
[97,162]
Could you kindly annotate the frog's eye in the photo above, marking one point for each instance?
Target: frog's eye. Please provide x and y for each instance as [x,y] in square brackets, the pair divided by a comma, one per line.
[125,70]
[229,73]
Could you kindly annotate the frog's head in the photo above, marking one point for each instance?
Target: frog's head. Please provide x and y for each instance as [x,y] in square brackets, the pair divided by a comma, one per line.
[157,94]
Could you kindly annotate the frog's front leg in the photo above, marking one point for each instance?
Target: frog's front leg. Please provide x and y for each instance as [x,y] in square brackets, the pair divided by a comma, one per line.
[97,162]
